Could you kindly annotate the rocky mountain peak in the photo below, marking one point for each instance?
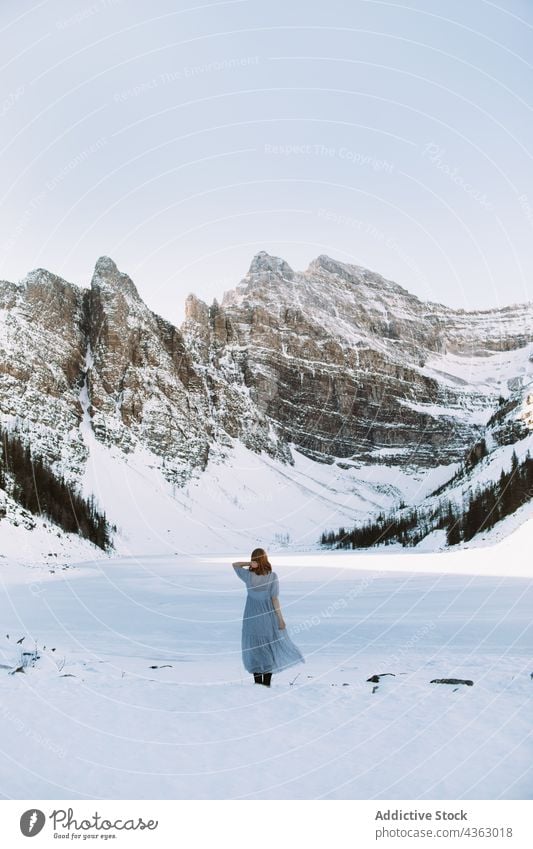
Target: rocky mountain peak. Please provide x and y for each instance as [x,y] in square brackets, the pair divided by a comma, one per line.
[326,263]
[264,261]
[335,362]
[357,275]
[43,277]
[48,298]
[107,275]
[105,264]
[196,309]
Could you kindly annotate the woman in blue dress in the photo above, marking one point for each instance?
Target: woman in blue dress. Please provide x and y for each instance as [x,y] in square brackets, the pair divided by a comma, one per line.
[266,646]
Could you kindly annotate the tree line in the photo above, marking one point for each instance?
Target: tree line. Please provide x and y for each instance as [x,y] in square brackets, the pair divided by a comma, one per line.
[491,503]
[480,511]
[32,484]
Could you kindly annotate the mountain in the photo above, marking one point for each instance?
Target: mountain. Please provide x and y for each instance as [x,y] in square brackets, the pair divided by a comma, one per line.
[346,364]
[301,400]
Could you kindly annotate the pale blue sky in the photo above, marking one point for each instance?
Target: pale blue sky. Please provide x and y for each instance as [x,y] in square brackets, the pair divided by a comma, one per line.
[182,138]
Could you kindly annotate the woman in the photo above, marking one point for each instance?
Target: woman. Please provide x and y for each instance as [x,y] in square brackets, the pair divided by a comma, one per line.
[266,646]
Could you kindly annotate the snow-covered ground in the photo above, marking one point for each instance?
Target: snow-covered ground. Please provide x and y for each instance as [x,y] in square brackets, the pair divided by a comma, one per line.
[138,690]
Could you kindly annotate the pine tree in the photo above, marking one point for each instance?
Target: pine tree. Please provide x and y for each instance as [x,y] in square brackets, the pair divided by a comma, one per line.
[37,489]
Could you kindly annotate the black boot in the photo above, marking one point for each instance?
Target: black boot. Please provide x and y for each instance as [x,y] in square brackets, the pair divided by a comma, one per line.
[267,677]
[258,677]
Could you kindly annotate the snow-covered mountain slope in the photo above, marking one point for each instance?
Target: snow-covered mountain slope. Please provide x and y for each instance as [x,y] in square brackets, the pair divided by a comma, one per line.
[489,495]
[508,434]
[302,400]
[27,538]
[249,499]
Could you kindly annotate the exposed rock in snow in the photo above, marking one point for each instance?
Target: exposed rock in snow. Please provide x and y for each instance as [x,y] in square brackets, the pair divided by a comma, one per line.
[264,262]
[335,363]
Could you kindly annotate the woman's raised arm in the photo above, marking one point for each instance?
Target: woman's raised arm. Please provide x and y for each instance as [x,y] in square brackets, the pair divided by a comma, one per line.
[241,572]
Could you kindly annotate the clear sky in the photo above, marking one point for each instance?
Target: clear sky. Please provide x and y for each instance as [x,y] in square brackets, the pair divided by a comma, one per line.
[180,138]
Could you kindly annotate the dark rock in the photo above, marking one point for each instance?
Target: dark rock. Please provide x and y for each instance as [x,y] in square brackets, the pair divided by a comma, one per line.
[327,360]
[452,681]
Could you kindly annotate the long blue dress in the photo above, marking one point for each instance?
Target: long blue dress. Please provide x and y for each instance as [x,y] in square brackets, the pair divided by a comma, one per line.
[265,648]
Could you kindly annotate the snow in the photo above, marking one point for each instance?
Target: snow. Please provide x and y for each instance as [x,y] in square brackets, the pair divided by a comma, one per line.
[31,539]
[485,472]
[390,452]
[473,415]
[93,719]
[486,374]
[526,412]
[43,543]
[512,531]
[136,688]
[239,495]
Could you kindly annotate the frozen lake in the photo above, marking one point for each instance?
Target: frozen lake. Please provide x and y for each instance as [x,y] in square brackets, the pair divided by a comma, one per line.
[94,719]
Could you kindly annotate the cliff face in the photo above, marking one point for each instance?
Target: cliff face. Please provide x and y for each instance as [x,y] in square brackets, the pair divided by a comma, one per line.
[41,362]
[142,384]
[347,364]
[335,361]
[67,351]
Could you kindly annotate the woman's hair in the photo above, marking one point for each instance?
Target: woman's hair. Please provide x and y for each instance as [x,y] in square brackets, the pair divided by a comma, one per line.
[260,557]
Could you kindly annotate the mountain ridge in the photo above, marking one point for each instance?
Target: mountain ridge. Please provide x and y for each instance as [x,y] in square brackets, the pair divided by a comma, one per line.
[334,363]
[322,260]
